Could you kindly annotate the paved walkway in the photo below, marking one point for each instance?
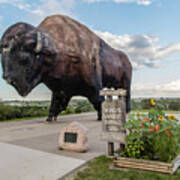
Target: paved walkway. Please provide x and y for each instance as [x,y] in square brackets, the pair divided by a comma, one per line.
[29,149]
[19,163]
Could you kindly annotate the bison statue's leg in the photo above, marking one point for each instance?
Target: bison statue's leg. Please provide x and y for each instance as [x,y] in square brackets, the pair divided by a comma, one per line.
[127,86]
[128,101]
[59,103]
[96,101]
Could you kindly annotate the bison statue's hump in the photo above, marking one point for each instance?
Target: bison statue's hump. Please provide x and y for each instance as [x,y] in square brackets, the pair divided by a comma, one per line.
[72,38]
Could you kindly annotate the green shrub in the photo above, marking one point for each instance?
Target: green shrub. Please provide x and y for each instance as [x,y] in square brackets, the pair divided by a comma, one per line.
[13,112]
[35,109]
[69,110]
[84,108]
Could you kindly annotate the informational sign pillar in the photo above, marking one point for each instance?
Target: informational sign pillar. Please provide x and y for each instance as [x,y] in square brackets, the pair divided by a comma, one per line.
[113,118]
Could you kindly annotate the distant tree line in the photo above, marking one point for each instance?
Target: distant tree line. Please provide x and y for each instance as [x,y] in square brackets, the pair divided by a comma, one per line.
[38,109]
[168,104]
[14,112]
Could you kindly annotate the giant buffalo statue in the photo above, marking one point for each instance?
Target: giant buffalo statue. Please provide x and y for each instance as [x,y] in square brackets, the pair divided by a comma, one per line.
[67,57]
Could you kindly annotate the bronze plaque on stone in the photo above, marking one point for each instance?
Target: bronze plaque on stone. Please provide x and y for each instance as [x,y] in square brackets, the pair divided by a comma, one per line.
[70,137]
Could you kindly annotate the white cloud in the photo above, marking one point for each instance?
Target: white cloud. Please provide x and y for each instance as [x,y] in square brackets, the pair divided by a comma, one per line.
[17,3]
[94,1]
[142,49]
[1,26]
[37,12]
[68,3]
[48,7]
[145,2]
[22,6]
[164,51]
[139,2]
[8,1]
[173,86]
[169,89]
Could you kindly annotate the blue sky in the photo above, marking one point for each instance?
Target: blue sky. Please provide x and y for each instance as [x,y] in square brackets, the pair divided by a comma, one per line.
[147,30]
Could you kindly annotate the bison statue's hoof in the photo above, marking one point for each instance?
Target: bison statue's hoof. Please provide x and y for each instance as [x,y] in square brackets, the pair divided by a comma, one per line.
[51,120]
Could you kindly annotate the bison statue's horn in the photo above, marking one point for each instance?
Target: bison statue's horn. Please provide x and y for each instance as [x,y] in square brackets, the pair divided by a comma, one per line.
[39,44]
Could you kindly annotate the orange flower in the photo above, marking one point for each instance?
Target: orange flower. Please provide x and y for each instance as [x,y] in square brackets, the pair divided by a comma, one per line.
[147,119]
[157,128]
[161,118]
[167,133]
[172,117]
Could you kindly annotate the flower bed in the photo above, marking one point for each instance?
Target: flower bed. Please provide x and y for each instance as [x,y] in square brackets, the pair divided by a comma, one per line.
[152,136]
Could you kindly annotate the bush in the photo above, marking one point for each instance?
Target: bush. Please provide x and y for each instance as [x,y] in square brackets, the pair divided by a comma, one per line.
[84,108]
[153,136]
[32,109]
[13,112]
[69,110]
[143,104]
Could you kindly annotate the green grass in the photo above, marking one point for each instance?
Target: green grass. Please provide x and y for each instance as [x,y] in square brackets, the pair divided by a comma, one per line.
[26,118]
[98,169]
[173,112]
[35,117]
[21,119]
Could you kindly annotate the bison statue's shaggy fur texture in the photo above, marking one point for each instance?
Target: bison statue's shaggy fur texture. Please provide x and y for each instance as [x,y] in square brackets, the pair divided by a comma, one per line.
[67,57]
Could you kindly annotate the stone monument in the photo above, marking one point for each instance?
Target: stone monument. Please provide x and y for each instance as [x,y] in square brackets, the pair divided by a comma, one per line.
[74,138]
[114,118]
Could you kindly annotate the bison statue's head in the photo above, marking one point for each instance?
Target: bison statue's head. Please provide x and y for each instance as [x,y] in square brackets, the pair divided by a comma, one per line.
[25,51]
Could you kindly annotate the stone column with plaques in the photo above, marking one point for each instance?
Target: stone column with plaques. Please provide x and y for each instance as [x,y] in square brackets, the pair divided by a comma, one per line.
[113,118]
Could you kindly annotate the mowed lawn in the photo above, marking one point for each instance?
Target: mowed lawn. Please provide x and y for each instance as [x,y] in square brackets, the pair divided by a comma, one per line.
[98,169]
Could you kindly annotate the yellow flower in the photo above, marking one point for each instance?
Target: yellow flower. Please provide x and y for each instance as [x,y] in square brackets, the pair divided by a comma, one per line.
[152,102]
[172,117]
[137,114]
[161,118]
